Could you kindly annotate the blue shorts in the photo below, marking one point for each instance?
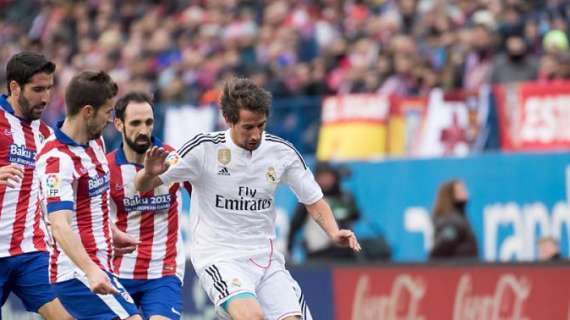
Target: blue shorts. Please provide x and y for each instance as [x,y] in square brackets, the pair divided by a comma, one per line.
[156,297]
[27,276]
[83,304]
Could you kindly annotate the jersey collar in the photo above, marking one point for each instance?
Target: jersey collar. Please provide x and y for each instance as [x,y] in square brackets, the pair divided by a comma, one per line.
[121,159]
[5,104]
[65,139]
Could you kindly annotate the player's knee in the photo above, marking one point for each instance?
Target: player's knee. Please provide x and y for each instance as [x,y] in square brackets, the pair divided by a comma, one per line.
[135,317]
[251,313]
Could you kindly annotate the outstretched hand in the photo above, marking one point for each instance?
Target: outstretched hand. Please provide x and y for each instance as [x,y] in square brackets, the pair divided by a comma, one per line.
[346,238]
[155,161]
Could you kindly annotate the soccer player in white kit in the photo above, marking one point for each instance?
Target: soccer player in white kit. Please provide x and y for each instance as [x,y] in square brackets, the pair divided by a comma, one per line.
[234,175]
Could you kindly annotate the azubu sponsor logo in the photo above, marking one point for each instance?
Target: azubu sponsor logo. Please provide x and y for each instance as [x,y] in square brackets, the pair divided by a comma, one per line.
[21,155]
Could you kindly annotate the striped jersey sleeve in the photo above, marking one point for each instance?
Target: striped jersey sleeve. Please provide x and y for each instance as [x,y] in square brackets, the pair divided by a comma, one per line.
[57,181]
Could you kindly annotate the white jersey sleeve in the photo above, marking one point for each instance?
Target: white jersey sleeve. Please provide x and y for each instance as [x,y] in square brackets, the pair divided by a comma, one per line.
[301,180]
[186,164]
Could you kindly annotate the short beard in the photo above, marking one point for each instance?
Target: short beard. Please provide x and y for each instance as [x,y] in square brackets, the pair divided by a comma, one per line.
[26,108]
[138,148]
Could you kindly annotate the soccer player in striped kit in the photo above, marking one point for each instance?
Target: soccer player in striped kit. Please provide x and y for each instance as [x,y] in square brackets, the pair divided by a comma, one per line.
[23,249]
[153,273]
[74,177]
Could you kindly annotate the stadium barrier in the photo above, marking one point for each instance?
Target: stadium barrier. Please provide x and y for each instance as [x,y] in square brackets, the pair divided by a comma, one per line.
[426,291]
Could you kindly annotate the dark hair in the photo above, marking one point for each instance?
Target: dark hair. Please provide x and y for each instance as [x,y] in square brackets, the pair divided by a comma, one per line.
[242,93]
[24,65]
[133,96]
[89,88]
[444,203]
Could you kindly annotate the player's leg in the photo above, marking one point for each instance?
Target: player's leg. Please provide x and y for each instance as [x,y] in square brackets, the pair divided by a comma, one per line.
[244,307]
[54,310]
[75,295]
[31,285]
[231,288]
[6,280]
[280,295]
[161,298]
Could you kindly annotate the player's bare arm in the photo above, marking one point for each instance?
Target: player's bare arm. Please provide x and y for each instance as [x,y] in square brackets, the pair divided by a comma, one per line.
[321,212]
[70,242]
[154,165]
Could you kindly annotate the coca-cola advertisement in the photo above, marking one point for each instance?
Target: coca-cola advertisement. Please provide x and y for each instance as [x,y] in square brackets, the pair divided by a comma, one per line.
[455,293]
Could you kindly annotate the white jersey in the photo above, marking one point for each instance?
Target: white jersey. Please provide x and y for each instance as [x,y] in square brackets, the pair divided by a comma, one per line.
[232,211]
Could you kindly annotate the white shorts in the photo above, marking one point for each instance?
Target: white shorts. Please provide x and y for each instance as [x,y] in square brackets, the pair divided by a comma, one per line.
[272,285]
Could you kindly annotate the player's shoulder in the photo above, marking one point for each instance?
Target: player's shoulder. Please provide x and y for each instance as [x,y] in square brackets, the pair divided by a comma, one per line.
[54,149]
[281,148]
[203,139]
[50,144]
[111,156]
[274,142]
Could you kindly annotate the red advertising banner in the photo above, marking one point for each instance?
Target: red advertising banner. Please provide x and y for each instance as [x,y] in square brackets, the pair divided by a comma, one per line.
[455,293]
[534,116]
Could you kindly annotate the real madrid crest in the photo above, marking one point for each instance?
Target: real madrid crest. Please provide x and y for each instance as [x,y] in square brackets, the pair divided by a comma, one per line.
[271,175]
[224,156]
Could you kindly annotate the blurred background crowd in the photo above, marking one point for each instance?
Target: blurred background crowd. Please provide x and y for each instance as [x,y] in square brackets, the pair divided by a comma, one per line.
[182,50]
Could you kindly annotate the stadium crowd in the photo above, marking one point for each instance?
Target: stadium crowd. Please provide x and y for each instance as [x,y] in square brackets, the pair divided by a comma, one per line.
[183,50]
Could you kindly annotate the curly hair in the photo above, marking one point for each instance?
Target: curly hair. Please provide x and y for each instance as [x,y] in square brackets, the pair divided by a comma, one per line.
[242,93]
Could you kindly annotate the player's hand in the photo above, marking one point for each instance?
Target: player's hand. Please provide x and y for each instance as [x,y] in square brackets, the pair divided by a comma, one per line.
[99,282]
[346,238]
[123,243]
[10,175]
[154,161]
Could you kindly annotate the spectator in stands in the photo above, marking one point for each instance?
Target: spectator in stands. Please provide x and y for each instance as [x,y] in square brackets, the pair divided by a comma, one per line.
[515,65]
[453,236]
[548,249]
[317,245]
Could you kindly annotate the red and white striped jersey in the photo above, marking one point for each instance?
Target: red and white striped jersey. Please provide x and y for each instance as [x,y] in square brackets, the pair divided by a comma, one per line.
[152,217]
[76,177]
[22,228]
